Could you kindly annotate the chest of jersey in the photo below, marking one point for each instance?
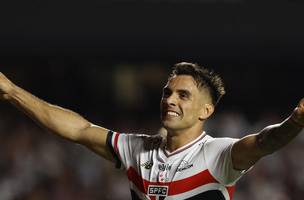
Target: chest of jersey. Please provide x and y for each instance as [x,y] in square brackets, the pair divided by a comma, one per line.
[187,173]
[161,175]
[159,166]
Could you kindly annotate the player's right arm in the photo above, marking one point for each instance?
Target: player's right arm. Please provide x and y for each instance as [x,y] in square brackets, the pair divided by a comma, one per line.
[60,121]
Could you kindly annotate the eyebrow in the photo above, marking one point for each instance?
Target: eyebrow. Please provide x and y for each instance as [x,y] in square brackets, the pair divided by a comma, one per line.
[181,91]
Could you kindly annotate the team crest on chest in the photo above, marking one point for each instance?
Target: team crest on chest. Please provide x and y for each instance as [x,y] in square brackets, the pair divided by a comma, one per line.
[158,190]
[164,167]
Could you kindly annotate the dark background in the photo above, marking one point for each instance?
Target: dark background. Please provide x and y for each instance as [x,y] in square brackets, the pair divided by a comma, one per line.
[256,46]
[108,60]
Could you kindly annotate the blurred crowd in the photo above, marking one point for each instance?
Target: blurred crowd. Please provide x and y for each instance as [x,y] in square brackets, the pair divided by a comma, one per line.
[36,165]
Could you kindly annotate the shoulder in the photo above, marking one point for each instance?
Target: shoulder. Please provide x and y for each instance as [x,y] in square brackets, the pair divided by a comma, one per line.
[219,140]
[145,141]
[218,143]
[152,142]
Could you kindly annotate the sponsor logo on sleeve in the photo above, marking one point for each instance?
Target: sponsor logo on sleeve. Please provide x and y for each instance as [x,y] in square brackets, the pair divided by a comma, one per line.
[157,190]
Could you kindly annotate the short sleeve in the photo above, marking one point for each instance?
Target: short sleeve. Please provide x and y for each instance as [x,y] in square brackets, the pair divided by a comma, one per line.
[122,147]
[219,162]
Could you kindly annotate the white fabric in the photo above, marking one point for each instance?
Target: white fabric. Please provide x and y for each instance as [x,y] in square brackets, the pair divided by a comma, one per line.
[149,159]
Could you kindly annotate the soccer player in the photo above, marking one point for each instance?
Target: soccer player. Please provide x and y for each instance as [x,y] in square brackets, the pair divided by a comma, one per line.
[187,163]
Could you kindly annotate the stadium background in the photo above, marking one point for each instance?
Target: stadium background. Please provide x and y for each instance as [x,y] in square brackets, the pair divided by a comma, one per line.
[109,60]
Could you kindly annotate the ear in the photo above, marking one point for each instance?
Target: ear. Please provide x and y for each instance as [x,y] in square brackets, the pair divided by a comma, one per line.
[206,111]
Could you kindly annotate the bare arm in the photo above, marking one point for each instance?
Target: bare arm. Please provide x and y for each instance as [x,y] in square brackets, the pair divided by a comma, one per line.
[247,151]
[60,121]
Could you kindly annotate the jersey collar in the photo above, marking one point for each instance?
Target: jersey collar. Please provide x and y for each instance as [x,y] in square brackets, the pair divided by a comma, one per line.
[183,148]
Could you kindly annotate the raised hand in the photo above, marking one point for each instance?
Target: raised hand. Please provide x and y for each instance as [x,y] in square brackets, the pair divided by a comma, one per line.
[298,114]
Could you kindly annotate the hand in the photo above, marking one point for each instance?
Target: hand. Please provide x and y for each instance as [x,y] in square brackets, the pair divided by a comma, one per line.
[298,114]
[5,86]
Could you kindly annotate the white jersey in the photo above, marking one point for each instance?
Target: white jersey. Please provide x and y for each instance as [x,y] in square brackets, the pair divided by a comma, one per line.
[200,170]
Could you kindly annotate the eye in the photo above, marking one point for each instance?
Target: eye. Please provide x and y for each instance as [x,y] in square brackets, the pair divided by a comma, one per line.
[184,95]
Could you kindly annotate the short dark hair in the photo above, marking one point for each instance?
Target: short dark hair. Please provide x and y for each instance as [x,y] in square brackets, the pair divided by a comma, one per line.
[204,77]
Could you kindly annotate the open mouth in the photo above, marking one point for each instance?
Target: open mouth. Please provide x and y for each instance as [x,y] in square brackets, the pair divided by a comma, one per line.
[170,113]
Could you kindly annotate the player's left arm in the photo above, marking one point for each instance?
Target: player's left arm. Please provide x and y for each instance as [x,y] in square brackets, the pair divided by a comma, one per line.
[248,150]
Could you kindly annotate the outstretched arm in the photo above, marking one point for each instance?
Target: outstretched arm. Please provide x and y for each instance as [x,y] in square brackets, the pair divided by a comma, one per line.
[60,121]
[248,150]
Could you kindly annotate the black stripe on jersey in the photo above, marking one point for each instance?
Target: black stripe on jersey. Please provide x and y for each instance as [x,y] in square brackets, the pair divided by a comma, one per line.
[134,195]
[109,144]
[209,195]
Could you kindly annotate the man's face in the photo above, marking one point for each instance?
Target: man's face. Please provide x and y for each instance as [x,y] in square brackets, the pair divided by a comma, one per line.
[182,103]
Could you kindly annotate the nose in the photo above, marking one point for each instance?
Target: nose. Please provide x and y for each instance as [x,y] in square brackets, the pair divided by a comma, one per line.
[170,100]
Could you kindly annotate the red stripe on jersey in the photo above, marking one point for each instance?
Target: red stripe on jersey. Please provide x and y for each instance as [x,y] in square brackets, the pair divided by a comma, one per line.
[190,183]
[115,143]
[138,181]
[176,187]
[231,191]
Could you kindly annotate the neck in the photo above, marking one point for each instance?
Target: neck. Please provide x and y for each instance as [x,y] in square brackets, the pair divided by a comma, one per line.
[177,139]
